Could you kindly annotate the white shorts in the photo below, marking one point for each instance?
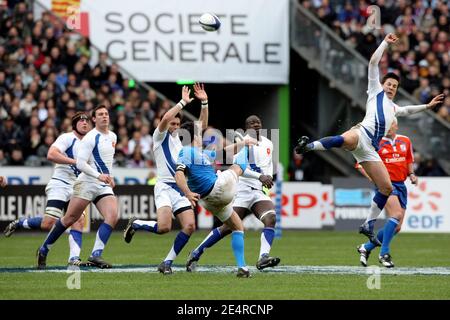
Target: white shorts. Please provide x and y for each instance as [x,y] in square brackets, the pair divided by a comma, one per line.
[167,195]
[91,191]
[218,201]
[365,150]
[246,196]
[58,195]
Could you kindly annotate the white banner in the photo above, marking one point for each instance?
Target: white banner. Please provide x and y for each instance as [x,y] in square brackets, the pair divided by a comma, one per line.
[428,208]
[42,175]
[162,41]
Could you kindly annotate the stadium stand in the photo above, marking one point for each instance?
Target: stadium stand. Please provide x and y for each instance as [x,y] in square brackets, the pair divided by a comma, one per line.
[46,76]
[422,58]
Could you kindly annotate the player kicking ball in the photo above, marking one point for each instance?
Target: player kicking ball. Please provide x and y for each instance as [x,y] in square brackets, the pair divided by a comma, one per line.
[363,139]
[214,191]
[250,197]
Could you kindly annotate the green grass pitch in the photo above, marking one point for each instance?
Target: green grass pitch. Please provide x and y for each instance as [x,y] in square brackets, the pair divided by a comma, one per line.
[295,248]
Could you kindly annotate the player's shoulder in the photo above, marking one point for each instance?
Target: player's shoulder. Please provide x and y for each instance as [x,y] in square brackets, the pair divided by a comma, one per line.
[403,138]
[266,141]
[113,135]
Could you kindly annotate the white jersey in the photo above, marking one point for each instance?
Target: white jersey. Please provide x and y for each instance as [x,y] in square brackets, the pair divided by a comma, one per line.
[380,112]
[68,144]
[260,160]
[166,149]
[97,149]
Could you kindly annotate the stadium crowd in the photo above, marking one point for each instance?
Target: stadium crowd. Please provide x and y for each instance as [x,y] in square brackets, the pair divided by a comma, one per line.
[422,56]
[46,77]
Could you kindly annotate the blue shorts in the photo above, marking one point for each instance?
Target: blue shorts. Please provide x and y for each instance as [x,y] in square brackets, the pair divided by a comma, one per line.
[401,192]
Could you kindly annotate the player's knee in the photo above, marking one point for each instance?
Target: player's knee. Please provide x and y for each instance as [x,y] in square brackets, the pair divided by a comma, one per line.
[386,190]
[47,224]
[269,220]
[163,229]
[189,228]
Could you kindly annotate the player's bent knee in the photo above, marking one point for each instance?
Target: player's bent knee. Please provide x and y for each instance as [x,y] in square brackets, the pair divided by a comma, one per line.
[163,229]
[47,223]
[386,190]
[189,228]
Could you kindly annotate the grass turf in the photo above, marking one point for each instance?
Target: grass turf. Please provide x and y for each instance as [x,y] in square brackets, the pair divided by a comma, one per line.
[294,248]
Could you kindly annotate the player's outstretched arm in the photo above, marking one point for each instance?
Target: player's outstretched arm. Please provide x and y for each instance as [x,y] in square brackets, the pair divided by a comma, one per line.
[374,73]
[200,93]
[169,115]
[55,155]
[407,110]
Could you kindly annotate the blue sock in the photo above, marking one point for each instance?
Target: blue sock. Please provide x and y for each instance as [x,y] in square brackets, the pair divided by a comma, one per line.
[103,234]
[369,245]
[388,234]
[150,226]
[213,237]
[332,142]
[30,223]
[56,231]
[266,241]
[237,243]
[178,245]
[242,158]
[75,241]
[378,202]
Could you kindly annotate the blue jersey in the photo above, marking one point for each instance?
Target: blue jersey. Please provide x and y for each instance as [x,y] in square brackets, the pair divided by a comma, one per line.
[198,168]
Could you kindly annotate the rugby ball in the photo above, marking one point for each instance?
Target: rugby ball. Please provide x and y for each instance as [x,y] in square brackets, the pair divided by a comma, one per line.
[209,22]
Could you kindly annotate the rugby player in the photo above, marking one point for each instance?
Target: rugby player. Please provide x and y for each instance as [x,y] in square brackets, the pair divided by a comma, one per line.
[60,188]
[94,184]
[363,139]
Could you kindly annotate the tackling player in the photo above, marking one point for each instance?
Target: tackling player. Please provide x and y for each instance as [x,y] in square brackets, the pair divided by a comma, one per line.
[60,188]
[397,154]
[250,197]
[169,199]
[95,183]
[363,139]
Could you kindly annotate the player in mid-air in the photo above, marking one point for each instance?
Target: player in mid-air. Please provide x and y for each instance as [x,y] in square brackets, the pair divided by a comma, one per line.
[214,191]
[94,184]
[169,199]
[59,190]
[396,152]
[363,139]
[250,197]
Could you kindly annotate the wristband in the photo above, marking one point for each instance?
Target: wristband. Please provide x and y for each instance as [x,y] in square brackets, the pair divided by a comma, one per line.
[182,103]
[410,174]
[204,104]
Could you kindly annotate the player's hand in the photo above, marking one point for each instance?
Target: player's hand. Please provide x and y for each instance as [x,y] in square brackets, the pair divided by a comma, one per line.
[249,141]
[199,91]
[266,180]
[436,100]
[391,38]
[112,183]
[185,95]
[413,178]
[104,178]
[193,198]
[3,181]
